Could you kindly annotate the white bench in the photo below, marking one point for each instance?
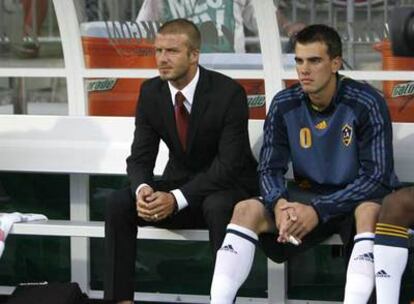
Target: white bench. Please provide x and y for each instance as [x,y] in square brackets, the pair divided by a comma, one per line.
[80,146]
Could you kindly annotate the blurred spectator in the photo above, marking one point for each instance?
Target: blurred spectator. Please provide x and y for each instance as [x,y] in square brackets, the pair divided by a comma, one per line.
[286,26]
[221,23]
[34,13]
[103,10]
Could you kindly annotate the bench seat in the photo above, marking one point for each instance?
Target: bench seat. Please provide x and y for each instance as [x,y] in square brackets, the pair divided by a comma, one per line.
[95,229]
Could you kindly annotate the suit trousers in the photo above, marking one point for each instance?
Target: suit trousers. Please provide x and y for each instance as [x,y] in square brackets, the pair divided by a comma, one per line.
[121,225]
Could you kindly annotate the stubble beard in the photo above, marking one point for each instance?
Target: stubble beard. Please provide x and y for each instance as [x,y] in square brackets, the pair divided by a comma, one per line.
[171,76]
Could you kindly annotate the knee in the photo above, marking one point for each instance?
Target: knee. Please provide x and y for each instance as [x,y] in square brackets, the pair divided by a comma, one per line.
[367,210]
[398,207]
[249,213]
[118,204]
[366,216]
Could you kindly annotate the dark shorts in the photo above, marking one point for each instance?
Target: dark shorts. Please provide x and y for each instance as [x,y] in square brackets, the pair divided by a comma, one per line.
[343,225]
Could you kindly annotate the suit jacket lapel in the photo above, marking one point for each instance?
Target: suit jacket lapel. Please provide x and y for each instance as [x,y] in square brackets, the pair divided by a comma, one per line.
[200,103]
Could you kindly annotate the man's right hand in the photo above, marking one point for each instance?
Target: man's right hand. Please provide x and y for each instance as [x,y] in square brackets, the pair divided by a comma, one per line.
[142,204]
[285,216]
[305,220]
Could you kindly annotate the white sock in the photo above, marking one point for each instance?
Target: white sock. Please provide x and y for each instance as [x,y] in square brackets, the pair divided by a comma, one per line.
[391,254]
[233,263]
[360,273]
[390,263]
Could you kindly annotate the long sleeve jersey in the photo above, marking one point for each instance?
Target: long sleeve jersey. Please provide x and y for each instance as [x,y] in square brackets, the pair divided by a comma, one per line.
[344,153]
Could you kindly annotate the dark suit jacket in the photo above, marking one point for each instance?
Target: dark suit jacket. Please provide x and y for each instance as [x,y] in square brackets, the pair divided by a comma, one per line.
[218,155]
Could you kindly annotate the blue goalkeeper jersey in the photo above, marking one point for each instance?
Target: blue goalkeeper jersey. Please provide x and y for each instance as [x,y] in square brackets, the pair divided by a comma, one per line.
[344,153]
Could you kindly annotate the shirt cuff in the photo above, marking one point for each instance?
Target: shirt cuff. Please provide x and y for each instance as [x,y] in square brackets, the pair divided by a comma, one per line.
[271,199]
[139,188]
[180,199]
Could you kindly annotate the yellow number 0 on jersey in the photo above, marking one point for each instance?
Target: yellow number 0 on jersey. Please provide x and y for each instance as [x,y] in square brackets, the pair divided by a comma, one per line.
[305,138]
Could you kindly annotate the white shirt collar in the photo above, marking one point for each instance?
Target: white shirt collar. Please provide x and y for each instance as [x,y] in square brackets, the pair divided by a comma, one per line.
[188,91]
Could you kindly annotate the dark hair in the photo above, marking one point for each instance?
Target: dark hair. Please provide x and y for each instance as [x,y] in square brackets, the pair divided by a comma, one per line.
[321,33]
[183,26]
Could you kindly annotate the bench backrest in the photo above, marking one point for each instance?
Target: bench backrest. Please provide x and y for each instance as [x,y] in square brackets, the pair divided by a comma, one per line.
[99,145]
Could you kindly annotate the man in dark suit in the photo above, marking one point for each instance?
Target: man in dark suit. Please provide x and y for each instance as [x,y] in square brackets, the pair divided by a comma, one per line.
[202,117]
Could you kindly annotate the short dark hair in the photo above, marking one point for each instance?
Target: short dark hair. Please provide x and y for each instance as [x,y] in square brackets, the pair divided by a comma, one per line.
[183,26]
[321,33]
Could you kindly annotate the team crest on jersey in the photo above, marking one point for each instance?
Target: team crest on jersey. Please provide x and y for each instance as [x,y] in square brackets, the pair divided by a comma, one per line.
[347,134]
